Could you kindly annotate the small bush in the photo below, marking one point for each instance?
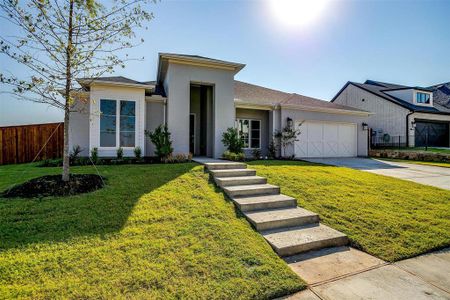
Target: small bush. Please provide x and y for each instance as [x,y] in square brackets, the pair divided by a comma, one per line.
[232,141]
[178,158]
[138,152]
[120,153]
[51,163]
[161,139]
[73,156]
[94,155]
[272,150]
[233,156]
[256,153]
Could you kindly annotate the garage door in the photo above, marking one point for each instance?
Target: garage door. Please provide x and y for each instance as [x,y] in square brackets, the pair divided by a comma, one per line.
[326,139]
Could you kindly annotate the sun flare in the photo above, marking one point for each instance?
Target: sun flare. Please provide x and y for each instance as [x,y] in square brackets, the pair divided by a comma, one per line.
[297,13]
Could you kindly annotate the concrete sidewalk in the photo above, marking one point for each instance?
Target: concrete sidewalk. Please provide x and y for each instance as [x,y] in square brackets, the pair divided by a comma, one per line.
[346,273]
[423,174]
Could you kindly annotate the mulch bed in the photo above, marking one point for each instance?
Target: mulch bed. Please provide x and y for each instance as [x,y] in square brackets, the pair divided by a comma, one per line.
[52,185]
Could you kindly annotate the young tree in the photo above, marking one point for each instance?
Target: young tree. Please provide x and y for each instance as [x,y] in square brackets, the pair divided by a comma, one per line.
[62,40]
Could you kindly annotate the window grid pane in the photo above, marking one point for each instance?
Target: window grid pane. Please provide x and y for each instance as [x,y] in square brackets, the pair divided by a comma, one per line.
[107,123]
[127,123]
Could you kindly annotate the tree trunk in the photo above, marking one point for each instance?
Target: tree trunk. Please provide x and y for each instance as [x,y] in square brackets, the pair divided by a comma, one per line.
[66,161]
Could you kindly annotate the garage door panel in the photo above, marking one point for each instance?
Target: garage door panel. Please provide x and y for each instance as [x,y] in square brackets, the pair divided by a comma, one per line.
[326,139]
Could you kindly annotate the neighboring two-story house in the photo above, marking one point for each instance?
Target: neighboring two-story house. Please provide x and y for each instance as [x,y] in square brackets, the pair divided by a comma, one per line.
[414,116]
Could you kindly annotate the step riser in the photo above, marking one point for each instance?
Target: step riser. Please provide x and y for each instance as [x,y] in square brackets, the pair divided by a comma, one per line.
[267,205]
[254,192]
[316,245]
[241,182]
[226,167]
[244,172]
[286,223]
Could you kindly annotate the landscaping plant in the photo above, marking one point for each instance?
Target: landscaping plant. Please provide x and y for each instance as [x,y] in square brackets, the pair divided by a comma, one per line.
[119,153]
[160,137]
[287,136]
[232,140]
[94,155]
[74,155]
[138,152]
[234,156]
[272,149]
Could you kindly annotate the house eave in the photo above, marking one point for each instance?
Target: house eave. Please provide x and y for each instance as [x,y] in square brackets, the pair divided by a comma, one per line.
[111,83]
[326,110]
[248,105]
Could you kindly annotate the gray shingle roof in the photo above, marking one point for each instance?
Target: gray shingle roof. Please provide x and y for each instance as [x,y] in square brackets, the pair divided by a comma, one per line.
[254,94]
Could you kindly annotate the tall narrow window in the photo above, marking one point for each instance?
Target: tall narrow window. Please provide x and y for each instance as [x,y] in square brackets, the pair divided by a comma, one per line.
[127,123]
[255,134]
[108,122]
[250,132]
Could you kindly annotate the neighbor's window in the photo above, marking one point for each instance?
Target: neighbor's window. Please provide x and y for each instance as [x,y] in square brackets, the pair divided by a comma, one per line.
[250,131]
[127,123]
[422,98]
[117,126]
[108,121]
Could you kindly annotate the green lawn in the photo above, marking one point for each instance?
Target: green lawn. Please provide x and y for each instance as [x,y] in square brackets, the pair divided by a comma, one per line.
[418,162]
[155,231]
[429,149]
[387,217]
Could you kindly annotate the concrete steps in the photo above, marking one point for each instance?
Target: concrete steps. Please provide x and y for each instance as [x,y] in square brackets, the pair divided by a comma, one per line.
[254,203]
[288,229]
[232,172]
[241,180]
[251,190]
[279,218]
[300,239]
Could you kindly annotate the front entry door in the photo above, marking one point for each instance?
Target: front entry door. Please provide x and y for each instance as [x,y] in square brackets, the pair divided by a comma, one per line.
[192,133]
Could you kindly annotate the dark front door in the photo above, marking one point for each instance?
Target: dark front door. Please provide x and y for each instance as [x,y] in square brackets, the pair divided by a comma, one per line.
[192,133]
[431,134]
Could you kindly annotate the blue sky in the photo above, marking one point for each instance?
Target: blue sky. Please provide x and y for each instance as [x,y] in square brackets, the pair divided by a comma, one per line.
[406,42]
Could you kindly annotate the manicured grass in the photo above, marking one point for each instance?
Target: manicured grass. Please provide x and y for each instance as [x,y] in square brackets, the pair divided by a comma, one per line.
[418,162]
[387,217]
[155,231]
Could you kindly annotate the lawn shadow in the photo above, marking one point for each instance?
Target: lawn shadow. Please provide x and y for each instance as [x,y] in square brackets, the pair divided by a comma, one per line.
[105,211]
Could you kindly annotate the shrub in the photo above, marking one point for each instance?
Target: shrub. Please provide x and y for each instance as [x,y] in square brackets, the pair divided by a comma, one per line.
[178,158]
[272,150]
[232,141]
[120,153]
[94,155]
[73,156]
[233,156]
[160,137]
[51,163]
[137,152]
[256,153]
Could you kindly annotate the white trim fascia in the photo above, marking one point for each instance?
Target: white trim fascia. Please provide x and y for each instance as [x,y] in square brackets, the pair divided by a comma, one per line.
[240,104]
[202,62]
[155,98]
[104,82]
[326,110]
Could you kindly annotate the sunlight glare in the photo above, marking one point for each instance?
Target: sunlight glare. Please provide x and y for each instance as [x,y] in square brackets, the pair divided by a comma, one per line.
[297,13]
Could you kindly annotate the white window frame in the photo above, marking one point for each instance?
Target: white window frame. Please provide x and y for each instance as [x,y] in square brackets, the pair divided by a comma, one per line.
[423,92]
[250,131]
[118,124]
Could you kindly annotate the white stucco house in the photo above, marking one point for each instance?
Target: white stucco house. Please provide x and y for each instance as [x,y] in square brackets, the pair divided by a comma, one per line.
[415,116]
[198,98]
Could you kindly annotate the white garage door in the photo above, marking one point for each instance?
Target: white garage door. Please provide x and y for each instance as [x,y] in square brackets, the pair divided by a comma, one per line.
[326,139]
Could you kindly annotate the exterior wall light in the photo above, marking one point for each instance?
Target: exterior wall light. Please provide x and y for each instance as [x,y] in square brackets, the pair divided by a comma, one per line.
[413,124]
[290,122]
[365,126]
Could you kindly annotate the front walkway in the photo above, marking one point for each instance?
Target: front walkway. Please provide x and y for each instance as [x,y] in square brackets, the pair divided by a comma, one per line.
[350,274]
[428,175]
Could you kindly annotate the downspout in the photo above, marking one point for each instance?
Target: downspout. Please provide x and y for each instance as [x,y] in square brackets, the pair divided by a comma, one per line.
[407,127]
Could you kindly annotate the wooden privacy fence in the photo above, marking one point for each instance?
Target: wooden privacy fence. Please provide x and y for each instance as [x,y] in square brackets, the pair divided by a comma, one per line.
[21,144]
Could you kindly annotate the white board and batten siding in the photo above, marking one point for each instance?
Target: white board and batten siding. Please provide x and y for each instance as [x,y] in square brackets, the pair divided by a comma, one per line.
[326,139]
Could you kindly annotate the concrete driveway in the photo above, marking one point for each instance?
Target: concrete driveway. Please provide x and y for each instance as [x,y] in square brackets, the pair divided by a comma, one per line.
[429,175]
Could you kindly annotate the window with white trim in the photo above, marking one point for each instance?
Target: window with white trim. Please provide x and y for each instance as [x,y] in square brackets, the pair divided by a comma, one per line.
[117,123]
[423,98]
[250,131]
